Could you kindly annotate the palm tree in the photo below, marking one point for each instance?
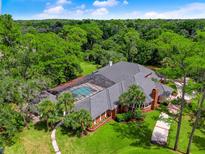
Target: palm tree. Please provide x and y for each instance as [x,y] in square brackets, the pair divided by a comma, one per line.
[78,121]
[134,97]
[67,99]
[47,110]
[85,119]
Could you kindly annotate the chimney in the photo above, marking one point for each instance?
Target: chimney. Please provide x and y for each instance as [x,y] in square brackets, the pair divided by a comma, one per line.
[110,63]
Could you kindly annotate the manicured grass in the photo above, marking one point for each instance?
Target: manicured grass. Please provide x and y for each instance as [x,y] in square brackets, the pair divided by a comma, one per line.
[112,138]
[88,68]
[31,141]
[198,145]
[116,138]
[119,138]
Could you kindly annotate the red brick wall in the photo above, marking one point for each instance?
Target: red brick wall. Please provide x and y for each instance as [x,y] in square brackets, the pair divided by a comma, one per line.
[113,113]
[97,119]
[147,109]
[109,113]
[103,116]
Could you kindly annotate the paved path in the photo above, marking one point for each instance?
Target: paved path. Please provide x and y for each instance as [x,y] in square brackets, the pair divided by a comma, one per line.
[54,143]
[53,139]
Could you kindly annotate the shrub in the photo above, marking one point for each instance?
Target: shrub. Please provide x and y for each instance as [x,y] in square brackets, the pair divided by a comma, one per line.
[139,114]
[120,117]
[128,116]
[172,85]
[78,121]
[124,117]
[176,101]
[165,103]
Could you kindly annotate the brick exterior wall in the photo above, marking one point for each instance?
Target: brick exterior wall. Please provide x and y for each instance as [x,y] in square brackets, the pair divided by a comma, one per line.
[111,114]
[155,96]
[103,116]
[114,113]
[97,120]
[147,109]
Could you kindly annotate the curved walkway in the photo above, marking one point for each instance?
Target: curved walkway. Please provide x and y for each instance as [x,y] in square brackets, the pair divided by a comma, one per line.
[53,139]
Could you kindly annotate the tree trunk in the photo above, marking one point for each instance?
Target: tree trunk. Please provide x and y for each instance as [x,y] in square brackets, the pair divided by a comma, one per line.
[24,115]
[83,128]
[47,125]
[198,115]
[24,120]
[133,107]
[66,109]
[181,113]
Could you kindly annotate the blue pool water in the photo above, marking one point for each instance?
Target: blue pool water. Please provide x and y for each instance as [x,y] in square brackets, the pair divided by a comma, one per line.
[82,91]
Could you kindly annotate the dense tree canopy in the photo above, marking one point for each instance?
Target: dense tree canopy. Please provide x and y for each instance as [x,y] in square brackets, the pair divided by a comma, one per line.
[11,121]
[37,55]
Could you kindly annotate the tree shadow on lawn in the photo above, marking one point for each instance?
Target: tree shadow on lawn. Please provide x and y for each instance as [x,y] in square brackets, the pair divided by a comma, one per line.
[68,132]
[138,131]
[199,142]
[41,125]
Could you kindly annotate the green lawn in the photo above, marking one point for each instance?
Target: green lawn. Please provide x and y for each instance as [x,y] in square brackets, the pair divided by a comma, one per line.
[113,138]
[88,67]
[198,146]
[31,141]
[128,139]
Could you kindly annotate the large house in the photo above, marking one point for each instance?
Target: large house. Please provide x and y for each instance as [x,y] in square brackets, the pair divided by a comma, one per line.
[99,92]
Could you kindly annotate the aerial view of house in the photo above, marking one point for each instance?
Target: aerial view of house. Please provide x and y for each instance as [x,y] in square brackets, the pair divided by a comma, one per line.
[102,77]
[99,92]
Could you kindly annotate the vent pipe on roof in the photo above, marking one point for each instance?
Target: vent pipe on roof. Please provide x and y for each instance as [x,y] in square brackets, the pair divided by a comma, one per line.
[110,63]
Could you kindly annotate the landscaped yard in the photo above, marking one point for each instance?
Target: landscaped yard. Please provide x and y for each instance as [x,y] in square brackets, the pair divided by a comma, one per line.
[31,141]
[198,146]
[112,138]
[88,68]
[127,139]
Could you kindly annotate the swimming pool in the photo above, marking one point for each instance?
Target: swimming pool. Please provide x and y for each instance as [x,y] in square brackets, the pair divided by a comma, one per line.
[82,91]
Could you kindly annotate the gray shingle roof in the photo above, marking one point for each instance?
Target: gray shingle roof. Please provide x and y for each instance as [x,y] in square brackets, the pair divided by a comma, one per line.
[114,93]
[146,84]
[99,104]
[123,74]
[119,71]
[83,104]
[116,80]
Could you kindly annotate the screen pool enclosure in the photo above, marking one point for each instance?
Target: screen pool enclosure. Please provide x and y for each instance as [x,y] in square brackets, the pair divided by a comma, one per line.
[83,91]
